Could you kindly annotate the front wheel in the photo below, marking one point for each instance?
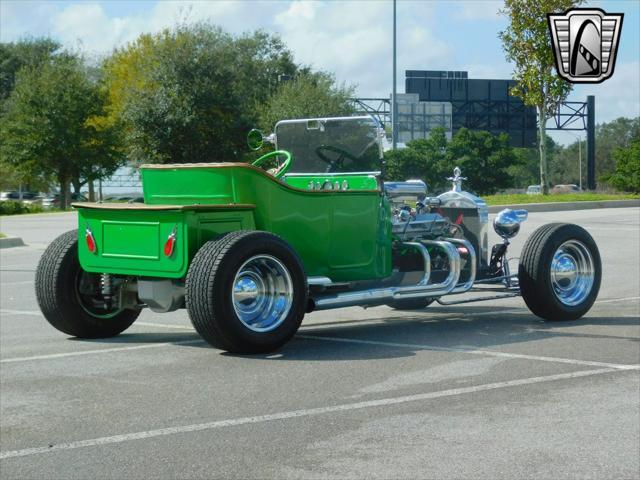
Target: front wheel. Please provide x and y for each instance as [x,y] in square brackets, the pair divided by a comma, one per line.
[246,292]
[560,272]
[70,298]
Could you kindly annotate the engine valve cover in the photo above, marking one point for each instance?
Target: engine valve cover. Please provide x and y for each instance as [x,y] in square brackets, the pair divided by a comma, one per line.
[425,225]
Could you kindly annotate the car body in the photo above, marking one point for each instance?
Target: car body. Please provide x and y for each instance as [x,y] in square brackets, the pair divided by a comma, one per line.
[566,188]
[248,252]
[534,190]
[28,198]
[53,201]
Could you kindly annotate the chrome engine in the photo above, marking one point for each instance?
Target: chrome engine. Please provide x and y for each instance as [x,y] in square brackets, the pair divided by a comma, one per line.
[440,248]
[414,223]
[455,214]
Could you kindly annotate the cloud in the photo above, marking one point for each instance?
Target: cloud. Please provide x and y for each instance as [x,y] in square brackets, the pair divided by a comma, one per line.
[354,40]
[475,10]
[618,96]
[20,19]
[89,25]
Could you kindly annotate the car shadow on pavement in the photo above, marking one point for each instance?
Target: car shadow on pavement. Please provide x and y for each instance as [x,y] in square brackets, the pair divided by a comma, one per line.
[145,338]
[400,336]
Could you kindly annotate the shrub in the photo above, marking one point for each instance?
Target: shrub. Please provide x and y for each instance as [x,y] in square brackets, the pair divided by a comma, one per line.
[11,207]
[627,174]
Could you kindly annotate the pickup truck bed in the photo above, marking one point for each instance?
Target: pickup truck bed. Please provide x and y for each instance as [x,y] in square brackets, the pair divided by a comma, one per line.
[130,237]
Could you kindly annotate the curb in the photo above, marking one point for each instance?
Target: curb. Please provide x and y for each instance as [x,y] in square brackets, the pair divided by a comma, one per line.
[564,206]
[9,242]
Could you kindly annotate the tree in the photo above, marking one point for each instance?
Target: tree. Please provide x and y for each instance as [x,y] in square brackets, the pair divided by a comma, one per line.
[527,44]
[627,173]
[48,128]
[526,169]
[307,95]
[609,137]
[31,52]
[485,159]
[191,94]
[422,159]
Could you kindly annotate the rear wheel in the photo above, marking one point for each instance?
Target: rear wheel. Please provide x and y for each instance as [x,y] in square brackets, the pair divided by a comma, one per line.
[246,292]
[560,272]
[70,297]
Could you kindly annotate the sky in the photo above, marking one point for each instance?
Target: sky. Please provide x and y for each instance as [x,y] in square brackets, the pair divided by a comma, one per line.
[352,39]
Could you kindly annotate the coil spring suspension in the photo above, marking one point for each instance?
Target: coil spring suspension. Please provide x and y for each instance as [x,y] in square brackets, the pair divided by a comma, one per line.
[106,288]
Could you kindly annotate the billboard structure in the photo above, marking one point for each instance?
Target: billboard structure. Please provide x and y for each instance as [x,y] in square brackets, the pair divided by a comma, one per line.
[476,104]
[416,119]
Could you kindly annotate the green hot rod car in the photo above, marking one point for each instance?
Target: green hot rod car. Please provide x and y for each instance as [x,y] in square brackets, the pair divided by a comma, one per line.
[248,251]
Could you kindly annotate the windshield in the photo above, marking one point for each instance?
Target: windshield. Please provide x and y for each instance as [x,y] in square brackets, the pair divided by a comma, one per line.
[331,145]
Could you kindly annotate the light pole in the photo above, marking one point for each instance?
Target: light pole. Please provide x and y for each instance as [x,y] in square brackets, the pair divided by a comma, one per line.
[394,112]
[579,158]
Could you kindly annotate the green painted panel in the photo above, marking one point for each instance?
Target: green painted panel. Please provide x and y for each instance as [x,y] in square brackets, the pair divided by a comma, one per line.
[187,187]
[116,239]
[342,235]
[131,242]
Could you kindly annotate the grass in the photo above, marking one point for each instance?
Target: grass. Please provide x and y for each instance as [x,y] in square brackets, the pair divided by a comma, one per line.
[2,235]
[559,197]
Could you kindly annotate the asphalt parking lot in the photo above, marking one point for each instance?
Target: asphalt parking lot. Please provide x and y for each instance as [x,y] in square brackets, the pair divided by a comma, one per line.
[483,390]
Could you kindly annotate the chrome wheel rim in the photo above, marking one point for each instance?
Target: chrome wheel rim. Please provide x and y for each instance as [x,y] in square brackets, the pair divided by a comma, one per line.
[262,293]
[572,273]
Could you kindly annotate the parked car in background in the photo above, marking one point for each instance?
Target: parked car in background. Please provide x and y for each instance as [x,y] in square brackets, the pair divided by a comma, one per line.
[568,188]
[124,199]
[27,197]
[53,201]
[533,190]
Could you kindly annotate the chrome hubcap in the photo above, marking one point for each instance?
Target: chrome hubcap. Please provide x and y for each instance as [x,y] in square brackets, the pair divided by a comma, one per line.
[262,293]
[572,272]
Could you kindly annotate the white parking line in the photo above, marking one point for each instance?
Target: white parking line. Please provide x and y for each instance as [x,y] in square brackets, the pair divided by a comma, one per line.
[497,312]
[96,351]
[487,353]
[165,325]
[21,312]
[613,300]
[384,402]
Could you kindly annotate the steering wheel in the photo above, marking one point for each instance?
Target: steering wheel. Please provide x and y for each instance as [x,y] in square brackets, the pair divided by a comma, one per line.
[336,164]
[282,169]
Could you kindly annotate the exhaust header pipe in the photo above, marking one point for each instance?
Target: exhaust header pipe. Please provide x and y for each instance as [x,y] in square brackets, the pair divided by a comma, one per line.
[380,296]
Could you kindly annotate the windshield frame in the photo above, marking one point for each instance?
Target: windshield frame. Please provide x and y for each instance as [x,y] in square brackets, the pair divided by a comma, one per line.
[375,126]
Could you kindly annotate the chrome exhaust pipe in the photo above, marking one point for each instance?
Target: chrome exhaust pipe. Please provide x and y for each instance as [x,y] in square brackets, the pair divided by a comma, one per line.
[473,266]
[380,296]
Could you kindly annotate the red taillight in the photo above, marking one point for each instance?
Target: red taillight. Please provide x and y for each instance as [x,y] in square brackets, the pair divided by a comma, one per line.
[91,242]
[170,243]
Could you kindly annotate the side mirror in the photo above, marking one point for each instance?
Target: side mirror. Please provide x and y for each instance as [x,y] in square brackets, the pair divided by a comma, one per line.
[255,139]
